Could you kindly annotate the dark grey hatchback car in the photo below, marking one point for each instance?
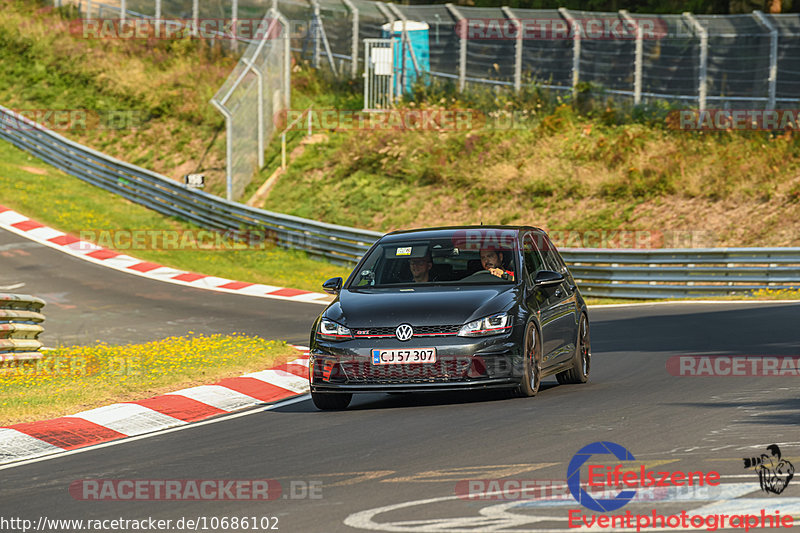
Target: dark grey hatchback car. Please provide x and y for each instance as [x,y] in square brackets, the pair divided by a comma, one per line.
[457,308]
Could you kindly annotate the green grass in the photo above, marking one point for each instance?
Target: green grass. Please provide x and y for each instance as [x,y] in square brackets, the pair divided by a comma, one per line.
[71,379]
[66,203]
[164,86]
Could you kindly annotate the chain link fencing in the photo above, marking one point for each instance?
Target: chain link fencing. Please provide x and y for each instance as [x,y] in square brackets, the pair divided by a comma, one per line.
[749,61]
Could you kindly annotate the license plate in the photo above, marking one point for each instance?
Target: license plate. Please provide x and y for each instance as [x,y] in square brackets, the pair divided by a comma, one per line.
[404,357]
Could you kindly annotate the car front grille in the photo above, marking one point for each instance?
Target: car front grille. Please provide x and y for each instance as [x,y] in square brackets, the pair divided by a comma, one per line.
[443,370]
[421,331]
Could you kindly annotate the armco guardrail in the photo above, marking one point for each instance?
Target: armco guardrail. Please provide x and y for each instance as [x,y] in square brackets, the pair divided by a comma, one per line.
[20,326]
[337,243]
[665,273]
[683,273]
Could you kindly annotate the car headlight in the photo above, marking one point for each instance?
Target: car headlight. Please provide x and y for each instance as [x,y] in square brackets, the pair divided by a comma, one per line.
[330,330]
[490,325]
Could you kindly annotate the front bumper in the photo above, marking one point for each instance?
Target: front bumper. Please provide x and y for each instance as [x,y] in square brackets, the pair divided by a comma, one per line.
[462,364]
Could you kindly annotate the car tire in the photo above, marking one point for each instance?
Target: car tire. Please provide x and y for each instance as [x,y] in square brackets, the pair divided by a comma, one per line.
[331,401]
[581,364]
[532,366]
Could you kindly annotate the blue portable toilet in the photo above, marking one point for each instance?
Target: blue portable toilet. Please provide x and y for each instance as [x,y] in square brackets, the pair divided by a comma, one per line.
[418,38]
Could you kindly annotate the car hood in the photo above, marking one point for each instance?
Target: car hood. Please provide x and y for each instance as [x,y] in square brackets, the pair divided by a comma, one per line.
[428,306]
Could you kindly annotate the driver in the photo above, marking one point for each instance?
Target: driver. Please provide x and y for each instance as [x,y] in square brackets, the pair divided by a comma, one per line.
[492,260]
[421,268]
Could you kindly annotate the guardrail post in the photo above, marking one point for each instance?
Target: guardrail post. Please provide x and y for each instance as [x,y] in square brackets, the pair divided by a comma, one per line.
[517,48]
[637,63]
[123,9]
[773,56]
[354,38]
[703,74]
[576,47]
[88,9]
[462,46]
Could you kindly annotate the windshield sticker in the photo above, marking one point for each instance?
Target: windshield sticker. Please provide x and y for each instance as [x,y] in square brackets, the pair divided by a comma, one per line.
[403,251]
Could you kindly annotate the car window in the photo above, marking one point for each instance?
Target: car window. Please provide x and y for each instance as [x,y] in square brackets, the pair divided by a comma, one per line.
[552,261]
[441,261]
[533,261]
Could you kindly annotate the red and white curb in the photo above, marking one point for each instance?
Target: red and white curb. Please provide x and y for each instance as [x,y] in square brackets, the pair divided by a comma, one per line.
[31,229]
[120,420]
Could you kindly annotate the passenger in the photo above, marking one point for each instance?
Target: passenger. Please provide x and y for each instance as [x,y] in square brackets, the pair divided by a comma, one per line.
[492,261]
[421,268]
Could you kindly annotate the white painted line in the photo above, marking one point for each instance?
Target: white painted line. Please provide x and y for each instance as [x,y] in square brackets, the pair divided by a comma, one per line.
[281,379]
[128,418]
[164,273]
[15,444]
[12,217]
[45,233]
[257,289]
[218,396]
[82,247]
[678,302]
[121,263]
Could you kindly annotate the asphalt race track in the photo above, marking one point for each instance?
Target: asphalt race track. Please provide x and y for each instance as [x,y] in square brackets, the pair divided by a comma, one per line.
[393,463]
[88,302]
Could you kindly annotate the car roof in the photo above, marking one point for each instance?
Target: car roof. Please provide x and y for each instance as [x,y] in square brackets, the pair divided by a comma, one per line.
[447,231]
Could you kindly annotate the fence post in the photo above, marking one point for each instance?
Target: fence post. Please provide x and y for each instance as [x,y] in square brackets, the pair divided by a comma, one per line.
[260,107]
[287,58]
[637,63]
[406,46]
[158,18]
[228,150]
[354,34]
[703,74]
[576,48]
[195,16]
[517,48]
[235,25]
[462,46]
[773,56]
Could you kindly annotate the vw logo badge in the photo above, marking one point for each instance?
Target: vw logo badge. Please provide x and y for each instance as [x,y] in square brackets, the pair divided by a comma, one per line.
[404,332]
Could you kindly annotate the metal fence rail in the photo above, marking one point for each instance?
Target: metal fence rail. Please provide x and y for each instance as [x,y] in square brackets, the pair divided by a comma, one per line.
[336,243]
[729,61]
[20,326]
[683,273]
[662,273]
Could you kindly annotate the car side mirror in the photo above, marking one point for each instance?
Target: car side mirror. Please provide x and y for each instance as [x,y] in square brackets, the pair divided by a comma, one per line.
[332,286]
[547,278]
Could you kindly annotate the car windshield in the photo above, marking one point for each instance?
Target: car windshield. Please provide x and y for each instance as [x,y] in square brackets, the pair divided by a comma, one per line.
[444,261]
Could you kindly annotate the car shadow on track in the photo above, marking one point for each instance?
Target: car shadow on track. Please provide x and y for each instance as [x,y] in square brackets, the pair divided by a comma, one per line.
[362,402]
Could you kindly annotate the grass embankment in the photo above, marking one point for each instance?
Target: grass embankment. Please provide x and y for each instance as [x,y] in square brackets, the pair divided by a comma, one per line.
[156,92]
[560,170]
[71,205]
[72,379]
